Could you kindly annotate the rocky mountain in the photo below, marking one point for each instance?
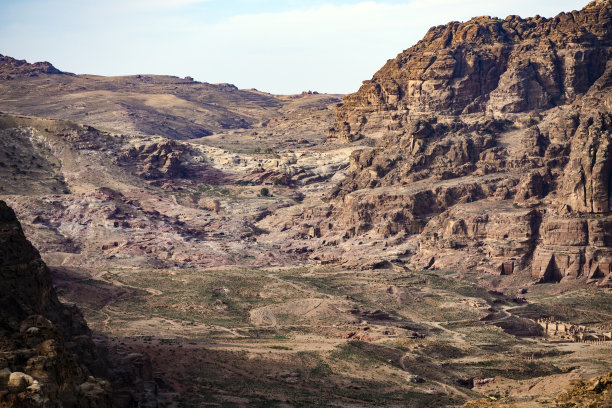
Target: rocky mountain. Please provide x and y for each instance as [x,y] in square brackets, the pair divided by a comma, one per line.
[486,65]
[493,148]
[11,68]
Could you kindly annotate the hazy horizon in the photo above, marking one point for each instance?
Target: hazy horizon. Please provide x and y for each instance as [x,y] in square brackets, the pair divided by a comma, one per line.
[280,47]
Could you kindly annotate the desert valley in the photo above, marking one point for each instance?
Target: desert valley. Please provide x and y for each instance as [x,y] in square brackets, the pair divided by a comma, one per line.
[441,237]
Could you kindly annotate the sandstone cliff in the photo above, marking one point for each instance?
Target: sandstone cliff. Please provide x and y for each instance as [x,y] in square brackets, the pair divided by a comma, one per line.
[493,148]
[484,65]
[39,335]
[47,355]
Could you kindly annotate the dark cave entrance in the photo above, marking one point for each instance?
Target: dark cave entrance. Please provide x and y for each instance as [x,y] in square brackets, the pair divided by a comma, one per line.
[552,273]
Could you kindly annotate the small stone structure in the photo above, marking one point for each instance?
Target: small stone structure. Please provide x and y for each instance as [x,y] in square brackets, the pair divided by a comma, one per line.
[577,333]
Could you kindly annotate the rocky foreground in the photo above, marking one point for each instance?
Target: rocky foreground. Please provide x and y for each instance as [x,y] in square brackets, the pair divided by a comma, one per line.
[39,365]
[47,353]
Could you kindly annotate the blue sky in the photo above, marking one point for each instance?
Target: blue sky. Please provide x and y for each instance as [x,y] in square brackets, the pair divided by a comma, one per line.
[275,46]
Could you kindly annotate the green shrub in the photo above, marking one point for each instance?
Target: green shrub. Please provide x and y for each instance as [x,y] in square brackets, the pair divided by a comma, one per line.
[275,347]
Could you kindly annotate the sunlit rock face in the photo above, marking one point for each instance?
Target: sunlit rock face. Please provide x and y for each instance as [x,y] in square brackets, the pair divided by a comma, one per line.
[486,65]
[493,142]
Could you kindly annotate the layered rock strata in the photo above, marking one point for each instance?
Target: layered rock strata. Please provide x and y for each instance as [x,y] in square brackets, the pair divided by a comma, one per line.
[486,65]
[493,148]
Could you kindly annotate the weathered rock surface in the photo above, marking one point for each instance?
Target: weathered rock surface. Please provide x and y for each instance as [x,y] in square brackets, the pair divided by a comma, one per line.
[11,68]
[161,159]
[38,366]
[594,392]
[47,356]
[484,65]
[493,149]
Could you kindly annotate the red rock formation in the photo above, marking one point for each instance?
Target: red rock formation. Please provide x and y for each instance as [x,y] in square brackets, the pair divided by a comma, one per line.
[494,143]
[483,65]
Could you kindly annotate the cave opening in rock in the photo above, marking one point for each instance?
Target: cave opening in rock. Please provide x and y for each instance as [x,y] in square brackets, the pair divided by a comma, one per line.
[552,273]
[596,272]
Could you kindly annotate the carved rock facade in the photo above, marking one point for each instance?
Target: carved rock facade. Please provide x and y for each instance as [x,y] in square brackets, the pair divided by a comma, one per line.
[494,148]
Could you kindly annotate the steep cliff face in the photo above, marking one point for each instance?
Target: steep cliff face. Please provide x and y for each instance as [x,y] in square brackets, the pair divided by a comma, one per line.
[47,355]
[38,335]
[494,148]
[576,235]
[484,65]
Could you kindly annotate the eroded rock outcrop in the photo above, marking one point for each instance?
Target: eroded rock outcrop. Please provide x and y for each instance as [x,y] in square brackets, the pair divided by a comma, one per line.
[158,160]
[47,355]
[576,235]
[484,65]
[11,68]
[38,367]
[493,149]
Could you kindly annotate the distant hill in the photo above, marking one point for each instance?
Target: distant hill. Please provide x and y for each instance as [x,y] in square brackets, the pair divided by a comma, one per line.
[177,108]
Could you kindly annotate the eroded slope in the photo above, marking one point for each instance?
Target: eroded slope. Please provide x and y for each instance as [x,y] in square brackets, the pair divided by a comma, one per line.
[493,151]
